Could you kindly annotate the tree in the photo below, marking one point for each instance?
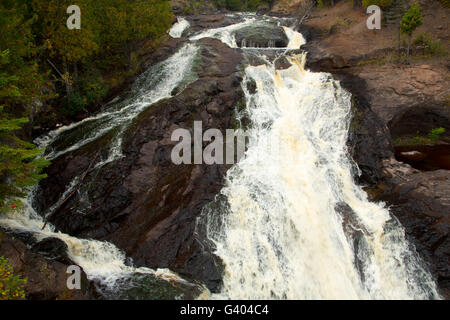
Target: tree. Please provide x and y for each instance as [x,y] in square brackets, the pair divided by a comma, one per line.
[384,4]
[410,21]
[20,166]
[125,23]
[17,57]
[69,47]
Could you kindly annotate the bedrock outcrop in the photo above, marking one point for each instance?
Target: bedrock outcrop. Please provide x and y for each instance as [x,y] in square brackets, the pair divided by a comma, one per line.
[144,203]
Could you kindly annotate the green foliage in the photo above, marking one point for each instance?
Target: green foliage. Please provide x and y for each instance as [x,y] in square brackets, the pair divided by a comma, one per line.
[236,5]
[92,87]
[20,81]
[71,45]
[411,19]
[381,3]
[431,46]
[11,286]
[19,166]
[124,21]
[436,133]
[105,45]
[74,104]
[445,3]
[41,58]
[19,84]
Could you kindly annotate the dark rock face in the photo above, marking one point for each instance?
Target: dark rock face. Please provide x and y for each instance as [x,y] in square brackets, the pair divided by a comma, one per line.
[46,279]
[144,203]
[204,22]
[422,204]
[52,249]
[261,36]
[420,118]
[369,140]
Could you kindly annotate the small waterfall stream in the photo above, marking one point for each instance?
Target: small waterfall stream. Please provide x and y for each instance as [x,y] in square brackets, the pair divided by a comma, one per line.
[102,261]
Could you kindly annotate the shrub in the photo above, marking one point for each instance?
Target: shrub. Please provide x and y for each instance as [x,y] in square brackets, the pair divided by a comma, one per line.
[431,46]
[436,133]
[11,286]
[74,104]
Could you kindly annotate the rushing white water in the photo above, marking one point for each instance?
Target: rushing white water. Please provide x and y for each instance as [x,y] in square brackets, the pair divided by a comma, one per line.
[154,85]
[179,27]
[102,261]
[296,39]
[224,34]
[227,34]
[295,225]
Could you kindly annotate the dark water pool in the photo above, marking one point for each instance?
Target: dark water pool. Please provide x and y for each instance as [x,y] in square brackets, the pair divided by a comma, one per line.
[425,158]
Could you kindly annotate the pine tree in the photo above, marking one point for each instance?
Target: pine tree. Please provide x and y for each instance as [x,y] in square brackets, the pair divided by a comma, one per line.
[20,84]
[124,23]
[19,166]
[410,21]
[67,47]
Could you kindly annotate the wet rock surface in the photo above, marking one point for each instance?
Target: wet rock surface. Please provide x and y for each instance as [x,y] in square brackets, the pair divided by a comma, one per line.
[52,249]
[204,22]
[263,36]
[46,278]
[144,203]
[419,200]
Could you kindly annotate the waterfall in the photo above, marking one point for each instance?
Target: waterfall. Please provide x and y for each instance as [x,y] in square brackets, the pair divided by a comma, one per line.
[225,34]
[294,225]
[102,261]
[290,223]
[154,85]
[179,27]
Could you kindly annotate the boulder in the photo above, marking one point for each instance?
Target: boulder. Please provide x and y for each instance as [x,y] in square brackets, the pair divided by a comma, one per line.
[262,36]
[52,249]
[46,278]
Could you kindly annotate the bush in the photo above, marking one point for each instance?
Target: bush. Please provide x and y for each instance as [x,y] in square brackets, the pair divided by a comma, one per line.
[74,104]
[431,46]
[436,133]
[11,286]
[92,86]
